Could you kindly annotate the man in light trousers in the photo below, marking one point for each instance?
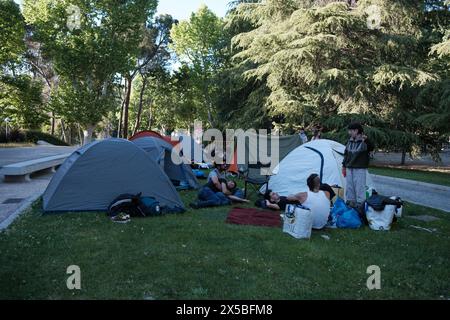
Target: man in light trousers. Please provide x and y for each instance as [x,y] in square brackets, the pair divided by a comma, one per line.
[355,165]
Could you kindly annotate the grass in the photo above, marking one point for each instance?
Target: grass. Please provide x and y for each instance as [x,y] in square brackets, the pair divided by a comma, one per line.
[16,144]
[441,178]
[196,255]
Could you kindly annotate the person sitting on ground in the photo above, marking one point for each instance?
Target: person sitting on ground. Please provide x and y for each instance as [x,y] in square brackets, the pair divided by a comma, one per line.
[218,191]
[315,199]
[211,196]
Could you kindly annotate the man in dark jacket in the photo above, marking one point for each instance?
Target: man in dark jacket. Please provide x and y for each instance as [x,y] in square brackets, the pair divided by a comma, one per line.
[355,164]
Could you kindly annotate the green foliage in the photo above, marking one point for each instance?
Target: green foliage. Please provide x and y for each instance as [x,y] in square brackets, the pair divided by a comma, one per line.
[21,101]
[324,63]
[12,32]
[34,136]
[88,57]
[201,45]
[30,136]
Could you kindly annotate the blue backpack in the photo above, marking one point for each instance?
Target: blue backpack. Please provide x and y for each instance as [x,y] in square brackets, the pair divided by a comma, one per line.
[345,217]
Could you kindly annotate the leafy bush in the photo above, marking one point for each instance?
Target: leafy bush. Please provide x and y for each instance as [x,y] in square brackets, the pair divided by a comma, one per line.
[34,136]
[16,135]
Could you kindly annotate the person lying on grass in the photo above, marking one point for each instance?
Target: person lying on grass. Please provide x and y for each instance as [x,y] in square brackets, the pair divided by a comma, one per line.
[315,199]
[218,191]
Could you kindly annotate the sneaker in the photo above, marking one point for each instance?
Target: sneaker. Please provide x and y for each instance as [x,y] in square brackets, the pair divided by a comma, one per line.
[194,205]
[121,218]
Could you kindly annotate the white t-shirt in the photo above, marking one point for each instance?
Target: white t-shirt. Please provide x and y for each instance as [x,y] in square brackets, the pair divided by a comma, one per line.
[320,208]
[215,173]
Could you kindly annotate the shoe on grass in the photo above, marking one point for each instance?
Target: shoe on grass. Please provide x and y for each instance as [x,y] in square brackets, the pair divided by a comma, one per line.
[121,218]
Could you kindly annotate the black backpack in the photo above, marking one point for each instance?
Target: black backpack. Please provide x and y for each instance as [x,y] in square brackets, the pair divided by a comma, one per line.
[134,205]
[378,202]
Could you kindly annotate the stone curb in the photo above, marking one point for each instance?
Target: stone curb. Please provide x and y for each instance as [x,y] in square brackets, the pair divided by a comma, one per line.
[25,205]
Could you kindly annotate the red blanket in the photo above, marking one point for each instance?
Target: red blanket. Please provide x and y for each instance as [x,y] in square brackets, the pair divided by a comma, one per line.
[254,217]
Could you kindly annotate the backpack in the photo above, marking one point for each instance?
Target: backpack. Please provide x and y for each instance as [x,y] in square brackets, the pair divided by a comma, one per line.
[378,202]
[134,205]
[149,206]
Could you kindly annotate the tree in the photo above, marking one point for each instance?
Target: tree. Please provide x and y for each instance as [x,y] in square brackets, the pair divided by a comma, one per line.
[20,95]
[434,98]
[155,56]
[12,32]
[334,62]
[200,44]
[21,102]
[88,43]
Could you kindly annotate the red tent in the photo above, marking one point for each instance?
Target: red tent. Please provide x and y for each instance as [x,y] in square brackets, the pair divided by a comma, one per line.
[150,133]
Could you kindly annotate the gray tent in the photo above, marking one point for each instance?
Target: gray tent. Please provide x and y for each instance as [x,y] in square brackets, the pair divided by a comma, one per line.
[97,173]
[162,152]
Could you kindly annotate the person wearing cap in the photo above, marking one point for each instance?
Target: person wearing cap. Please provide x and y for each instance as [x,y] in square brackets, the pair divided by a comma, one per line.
[355,165]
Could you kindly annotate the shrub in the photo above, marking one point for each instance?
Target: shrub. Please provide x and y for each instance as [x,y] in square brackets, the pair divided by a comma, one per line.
[34,136]
[14,135]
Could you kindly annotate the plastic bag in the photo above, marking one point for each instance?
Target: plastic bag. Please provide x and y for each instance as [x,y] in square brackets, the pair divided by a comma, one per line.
[298,221]
[345,217]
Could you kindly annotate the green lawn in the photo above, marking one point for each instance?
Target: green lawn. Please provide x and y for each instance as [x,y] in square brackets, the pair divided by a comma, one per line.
[197,255]
[418,175]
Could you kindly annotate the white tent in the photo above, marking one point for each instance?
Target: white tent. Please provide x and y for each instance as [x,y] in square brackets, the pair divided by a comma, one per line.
[323,157]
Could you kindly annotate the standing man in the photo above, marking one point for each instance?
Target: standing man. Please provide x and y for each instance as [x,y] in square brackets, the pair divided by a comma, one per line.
[317,133]
[355,165]
[303,135]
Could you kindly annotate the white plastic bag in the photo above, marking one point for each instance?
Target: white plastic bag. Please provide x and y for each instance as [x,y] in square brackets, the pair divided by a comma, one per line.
[380,220]
[298,221]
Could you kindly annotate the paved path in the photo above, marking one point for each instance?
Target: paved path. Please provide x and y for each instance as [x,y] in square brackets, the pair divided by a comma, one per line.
[425,194]
[19,195]
[12,155]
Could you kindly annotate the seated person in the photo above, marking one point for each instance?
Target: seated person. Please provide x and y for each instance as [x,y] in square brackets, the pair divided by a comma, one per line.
[315,199]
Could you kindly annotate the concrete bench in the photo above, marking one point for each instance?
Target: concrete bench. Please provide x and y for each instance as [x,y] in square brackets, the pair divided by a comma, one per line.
[21,171]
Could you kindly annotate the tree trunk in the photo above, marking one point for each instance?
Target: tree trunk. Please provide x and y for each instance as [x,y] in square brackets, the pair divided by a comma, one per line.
[63,131]
[119,127]
[150,114]
[126,108]
[52,130]
[87,134]
[70,135]
[403,157]
[141,96]
[80,136]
